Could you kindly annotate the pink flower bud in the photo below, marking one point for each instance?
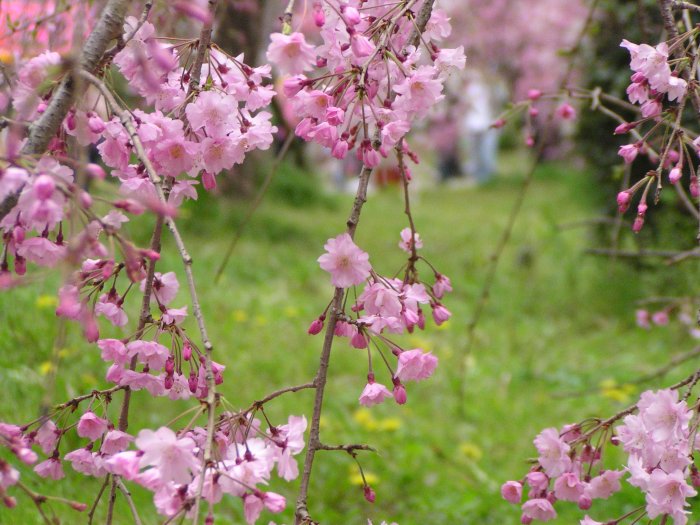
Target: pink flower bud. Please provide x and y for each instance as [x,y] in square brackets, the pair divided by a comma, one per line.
[498,123]
[187,351]
[529,141]
[96,124]
[340,149]
[208,181]
[623,201]
[352,16]
[95,171]
[20,265]
[534,94]
[358,340]
[315,327]
[585,502]
[85,200]
[319,15]
[694,188]
[566,111]
[335,116]
[638,224]
[625,127]
[638,78]
[675,175]
[361,45]
[80,507]
[293,85]
[400,394]
[369,494]
[193,10]
[660,318]
[534,112]
[440,314]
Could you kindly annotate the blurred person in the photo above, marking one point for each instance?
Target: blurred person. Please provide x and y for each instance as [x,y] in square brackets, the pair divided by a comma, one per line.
[479,140]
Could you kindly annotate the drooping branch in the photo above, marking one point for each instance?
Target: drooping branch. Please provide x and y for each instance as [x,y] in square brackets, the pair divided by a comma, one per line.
[108,27]
[127,121]
[302,515]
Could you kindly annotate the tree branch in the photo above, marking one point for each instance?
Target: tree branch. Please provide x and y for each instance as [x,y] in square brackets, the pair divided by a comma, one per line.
[157,182]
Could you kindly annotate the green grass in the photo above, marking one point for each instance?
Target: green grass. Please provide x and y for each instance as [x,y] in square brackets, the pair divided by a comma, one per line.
[557,322]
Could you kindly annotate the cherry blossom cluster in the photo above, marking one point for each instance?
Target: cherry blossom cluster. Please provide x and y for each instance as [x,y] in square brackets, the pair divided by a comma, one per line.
[368,82]
[167,463]
[679,310]
[658,86]
[659,443]
[385,306]
[199,112]
[201,133]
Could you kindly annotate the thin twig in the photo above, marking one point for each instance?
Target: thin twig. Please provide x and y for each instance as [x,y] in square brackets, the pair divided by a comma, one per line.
[156,180]
[129,500]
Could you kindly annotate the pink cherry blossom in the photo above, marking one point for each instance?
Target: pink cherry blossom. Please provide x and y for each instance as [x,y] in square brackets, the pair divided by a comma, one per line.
[213,112]
[90,426]
[374,393]
[539,509]
[47,436]
[605,485]
[415,365]
[407,243]
[553,452]
[512,492]
[51,468]
[115,441]
[290,53]
[172,456]
[347,264]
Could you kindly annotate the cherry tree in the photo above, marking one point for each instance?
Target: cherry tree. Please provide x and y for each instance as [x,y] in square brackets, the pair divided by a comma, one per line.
[193,113]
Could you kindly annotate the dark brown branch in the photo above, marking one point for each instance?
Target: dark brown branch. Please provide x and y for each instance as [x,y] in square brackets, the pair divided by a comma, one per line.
[679,6]
[302,513]
[350,449]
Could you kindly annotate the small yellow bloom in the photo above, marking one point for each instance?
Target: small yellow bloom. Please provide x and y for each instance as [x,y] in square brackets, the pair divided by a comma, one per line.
[621,393]
[365,419]
[45,368]
[46,302]
[291,312]
[260,320]
[239,316]
[390,424]
[356,477]
[65,352]
[471,450]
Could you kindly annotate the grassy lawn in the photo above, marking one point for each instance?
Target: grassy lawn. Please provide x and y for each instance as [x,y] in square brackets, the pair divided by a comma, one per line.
[557,322]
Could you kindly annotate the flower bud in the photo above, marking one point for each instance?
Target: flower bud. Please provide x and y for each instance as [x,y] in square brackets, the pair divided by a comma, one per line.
[400,394]
[623,201]
[585,502]
[95,171]
[675,175]
[369,494]
[315,327]
[534,94]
